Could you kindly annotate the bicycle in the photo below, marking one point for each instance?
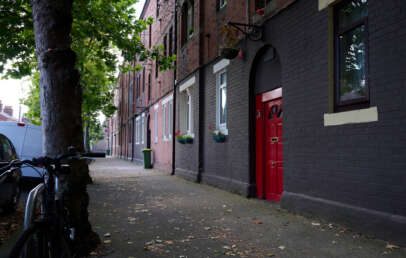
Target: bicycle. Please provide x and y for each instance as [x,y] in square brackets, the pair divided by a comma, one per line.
[47,232]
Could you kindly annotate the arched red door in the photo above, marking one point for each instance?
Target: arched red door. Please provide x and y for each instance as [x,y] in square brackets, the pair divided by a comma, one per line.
[269,146]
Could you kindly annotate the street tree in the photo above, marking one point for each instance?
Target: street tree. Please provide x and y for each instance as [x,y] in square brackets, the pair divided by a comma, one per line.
[63,39]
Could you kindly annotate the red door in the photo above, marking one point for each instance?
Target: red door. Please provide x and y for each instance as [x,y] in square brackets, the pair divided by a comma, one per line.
[269,161]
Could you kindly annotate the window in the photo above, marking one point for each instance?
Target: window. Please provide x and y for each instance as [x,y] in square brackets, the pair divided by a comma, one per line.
[221,101]
[170,41]
[351,55]
[156,68]
[186,114]
[143,80]
[137,130]
[142,128]
[164,121]
[170,120]
[165,45]
[150,36]
[156,123]
[149,86]
[222,3]
[259,4]
[187,20]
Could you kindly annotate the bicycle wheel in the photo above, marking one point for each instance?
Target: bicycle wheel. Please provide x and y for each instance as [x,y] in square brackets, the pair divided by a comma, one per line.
[37,242]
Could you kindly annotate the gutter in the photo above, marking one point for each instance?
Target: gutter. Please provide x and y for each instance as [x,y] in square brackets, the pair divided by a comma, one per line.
[201,94]
[175,21]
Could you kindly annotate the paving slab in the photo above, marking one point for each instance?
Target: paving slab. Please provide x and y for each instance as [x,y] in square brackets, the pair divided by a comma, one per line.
[148,213]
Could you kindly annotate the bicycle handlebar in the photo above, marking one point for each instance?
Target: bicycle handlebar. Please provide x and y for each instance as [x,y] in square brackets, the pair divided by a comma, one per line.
[41,161]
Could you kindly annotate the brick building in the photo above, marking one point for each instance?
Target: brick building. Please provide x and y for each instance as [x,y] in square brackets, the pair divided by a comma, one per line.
[6,113]
[312,112]
[145,97]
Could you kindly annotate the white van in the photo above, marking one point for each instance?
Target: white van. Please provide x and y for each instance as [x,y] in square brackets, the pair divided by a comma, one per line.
[27,140]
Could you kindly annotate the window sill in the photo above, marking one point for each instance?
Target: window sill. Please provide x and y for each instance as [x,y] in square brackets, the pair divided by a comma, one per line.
[366,115]
[223,130]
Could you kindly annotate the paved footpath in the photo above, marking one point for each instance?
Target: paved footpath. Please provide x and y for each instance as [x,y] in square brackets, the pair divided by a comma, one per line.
[147,213]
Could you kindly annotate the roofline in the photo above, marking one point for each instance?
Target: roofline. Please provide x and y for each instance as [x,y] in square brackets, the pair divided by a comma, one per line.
[144,9]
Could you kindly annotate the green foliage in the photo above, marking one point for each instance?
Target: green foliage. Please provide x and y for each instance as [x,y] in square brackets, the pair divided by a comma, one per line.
[33,101]
[100,29]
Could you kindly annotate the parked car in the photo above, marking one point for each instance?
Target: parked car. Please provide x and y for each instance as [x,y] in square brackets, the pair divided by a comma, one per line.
[27,139]
[10,186]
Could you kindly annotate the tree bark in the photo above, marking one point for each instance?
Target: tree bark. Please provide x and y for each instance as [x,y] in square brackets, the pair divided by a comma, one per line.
[61,99]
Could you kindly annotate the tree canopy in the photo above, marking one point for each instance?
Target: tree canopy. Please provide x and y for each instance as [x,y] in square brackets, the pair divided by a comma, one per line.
[100,29]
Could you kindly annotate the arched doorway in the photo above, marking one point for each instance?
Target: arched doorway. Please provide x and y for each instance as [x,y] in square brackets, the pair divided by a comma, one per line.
[268,115]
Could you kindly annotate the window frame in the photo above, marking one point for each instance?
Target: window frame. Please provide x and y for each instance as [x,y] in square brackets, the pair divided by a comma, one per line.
[137,130]
[221,126]
[222,4]
[156,115]
[170,105]
[356,103]
[142,127]
[164,122]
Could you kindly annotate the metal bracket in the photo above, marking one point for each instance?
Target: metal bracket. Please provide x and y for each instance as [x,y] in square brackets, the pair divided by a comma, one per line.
[253,32]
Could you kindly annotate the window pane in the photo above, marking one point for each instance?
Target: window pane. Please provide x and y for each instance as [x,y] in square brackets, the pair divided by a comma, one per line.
[187,112]
[352,12]
[223,78]
[352,64]
[223,105]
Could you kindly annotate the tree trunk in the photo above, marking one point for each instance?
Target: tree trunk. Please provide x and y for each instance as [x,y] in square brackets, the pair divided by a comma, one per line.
[61,106]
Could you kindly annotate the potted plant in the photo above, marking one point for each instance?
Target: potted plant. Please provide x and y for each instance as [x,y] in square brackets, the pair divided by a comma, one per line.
[179,137]
[229,49]
[218,136]
[188,139]
[183,138]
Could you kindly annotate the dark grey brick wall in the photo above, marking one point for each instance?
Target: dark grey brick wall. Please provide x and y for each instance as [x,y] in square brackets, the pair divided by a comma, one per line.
[342,172]
[186,157]
[227,164]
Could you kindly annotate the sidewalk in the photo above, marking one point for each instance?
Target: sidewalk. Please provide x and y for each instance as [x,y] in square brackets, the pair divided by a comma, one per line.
[146,213]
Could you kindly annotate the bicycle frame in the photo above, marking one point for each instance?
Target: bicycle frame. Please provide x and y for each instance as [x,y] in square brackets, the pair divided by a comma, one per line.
[33,196]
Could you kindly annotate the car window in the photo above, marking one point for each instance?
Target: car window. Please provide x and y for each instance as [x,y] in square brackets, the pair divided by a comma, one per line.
[7,150]
[1,149]
[12,149]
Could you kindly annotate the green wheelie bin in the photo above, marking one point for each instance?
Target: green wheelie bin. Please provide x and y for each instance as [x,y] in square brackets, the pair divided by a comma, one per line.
[147,158]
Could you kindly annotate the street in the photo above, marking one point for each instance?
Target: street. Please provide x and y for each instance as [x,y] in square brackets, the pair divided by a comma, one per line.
[146,213]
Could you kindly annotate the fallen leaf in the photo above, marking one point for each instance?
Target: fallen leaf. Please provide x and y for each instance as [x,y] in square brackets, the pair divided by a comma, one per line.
[271,255]
[107,241]
[315,224]
[282,247]
[257,222]
[390,246]
[146,248]
[107,235]
[229,210]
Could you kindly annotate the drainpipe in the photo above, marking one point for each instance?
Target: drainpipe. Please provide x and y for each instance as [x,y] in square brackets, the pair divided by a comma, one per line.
[175,14]
[201,92]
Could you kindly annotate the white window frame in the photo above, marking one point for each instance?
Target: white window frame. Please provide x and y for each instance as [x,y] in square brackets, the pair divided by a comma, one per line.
[142,128]
[137,130]
[164,122]
[156,109]
[170,106]
[186,89]
[221,126]
[222,4]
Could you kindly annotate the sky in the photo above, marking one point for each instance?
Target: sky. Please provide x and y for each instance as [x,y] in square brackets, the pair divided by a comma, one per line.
[11,91]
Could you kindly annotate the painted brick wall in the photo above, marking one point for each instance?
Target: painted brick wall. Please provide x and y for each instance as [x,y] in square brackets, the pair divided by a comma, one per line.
[227,164]
[187,155]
